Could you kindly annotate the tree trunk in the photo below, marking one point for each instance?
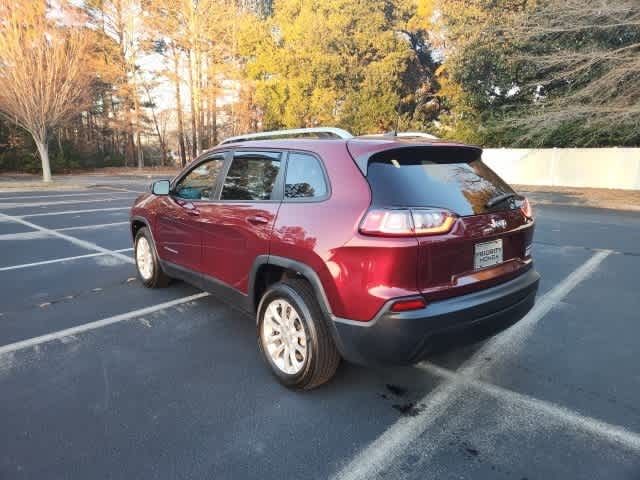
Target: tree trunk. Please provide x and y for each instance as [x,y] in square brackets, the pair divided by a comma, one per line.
[61,149]
[194,112]
[176,71]
[202,140]
[130,148]
[213,122]
[140,153]
[43,150]
[212,93]
[136,106]
[154,117]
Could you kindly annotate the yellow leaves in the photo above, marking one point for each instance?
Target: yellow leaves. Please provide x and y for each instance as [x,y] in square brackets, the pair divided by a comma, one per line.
[425,17]
[44,77]
[253,36]
[329,62]
[322,103]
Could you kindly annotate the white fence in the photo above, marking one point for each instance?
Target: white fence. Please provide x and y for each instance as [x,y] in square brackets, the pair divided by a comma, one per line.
[567,167]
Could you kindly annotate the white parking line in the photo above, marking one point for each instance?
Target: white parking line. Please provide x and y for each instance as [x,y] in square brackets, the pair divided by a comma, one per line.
[118,189]
[59,260]
[70,212]
[39,234]
[378,455]
[75,241]
[31,342]
[29,197]
[597,428]
[33,235]
[91,227]
[121,189]
[4,206]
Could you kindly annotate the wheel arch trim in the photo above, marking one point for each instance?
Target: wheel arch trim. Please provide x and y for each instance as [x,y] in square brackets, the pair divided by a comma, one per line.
[138,218]
[310,274]
[301,268]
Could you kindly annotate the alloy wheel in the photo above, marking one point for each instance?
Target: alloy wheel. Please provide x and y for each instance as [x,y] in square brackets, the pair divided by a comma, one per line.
[284,337]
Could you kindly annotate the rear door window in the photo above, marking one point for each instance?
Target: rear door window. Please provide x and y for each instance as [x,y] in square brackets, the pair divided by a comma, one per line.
[448,177]
[305,177]
[252,176]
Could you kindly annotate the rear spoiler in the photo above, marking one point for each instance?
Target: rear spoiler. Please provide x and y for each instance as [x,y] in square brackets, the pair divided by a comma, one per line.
[435,152]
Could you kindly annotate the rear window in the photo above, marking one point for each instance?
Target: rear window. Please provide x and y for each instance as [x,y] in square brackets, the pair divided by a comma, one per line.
[305,178]
[448,177]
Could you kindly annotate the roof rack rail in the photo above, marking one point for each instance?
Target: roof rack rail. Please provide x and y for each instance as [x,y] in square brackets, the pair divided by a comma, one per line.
[401,135]
[320,132]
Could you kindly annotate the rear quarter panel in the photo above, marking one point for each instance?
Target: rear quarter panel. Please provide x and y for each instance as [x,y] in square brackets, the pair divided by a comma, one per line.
[315,233]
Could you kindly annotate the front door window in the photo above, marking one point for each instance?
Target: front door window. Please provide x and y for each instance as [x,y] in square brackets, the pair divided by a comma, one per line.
[200,182]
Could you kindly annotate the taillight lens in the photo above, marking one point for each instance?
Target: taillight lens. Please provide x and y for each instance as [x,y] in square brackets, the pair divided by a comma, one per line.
[431,222]
[406,222]
[387,222]
[526,208]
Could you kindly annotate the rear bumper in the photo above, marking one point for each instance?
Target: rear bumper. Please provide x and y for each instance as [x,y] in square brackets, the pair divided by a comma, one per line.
[405,338]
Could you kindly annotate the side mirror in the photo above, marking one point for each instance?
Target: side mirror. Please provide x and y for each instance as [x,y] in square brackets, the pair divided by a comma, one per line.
[161,187]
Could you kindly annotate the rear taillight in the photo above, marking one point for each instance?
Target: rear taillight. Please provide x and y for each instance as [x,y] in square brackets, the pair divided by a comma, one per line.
[406,222]
[430,222]
[527,211]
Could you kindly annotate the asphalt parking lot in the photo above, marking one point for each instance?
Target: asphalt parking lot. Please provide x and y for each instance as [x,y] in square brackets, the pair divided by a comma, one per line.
[102,378]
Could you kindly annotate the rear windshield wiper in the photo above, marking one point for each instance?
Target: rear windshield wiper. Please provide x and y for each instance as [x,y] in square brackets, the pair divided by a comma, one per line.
[499,199]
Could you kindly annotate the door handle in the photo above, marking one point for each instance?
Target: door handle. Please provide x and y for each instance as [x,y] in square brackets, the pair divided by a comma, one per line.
[190,208]
[257,220]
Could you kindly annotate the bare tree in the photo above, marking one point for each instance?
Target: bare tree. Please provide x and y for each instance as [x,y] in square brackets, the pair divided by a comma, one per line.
[151,105]
[165,118]
[199,31]
[583,58]
[121,24]
[175,74]
[43,81]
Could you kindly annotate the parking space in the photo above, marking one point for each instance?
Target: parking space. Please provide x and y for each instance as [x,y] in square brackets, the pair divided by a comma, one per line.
[482,435]
[35,246]
[100,377]
[590,228]
[8,227]
[113,236]
[95,287]
[83,218]
[587,348]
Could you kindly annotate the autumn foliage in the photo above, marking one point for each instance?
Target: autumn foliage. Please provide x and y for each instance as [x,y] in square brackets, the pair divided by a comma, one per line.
[156,82]
[43,79]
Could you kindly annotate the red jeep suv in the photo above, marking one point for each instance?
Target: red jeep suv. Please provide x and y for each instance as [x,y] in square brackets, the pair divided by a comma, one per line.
[371,249]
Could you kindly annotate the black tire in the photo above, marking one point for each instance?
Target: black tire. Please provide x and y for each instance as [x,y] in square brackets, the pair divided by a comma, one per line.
[158,278]
[323,357]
